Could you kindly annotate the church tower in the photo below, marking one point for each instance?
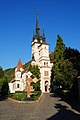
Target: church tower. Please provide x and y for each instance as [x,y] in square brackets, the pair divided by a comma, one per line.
[40,57]
[36,43]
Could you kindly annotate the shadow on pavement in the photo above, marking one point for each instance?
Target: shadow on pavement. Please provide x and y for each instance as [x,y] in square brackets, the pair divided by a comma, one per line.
[64,114]
[2,98]
[74,104]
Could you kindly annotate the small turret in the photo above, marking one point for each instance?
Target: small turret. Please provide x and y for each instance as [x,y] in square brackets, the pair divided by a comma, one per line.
[19,66]
[43,37]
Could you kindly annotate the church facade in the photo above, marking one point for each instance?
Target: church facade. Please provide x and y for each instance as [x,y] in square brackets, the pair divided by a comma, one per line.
[22,79]
[41,57]
[19,81]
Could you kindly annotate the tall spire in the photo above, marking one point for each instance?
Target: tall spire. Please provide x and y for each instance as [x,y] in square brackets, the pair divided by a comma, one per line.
[37,26]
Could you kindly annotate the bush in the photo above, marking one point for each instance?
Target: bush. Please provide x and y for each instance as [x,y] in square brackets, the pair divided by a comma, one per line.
[4,86]
[19,95]
[36,86]
[35,95]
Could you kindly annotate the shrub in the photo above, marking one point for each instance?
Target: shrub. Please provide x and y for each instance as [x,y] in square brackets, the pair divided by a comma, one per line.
[18,95]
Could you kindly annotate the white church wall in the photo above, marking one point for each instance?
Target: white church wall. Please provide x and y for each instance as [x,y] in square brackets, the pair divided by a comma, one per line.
[11,89]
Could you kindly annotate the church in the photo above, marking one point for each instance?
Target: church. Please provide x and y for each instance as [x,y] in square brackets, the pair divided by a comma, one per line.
[41,57]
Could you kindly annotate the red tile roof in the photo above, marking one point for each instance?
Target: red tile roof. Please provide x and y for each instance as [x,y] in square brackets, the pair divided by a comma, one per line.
[19,65]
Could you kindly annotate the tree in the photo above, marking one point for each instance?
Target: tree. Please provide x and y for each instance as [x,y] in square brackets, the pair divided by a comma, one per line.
[36,85]
[73,55]
[10,73]
[68,74]
[1,72]
[58,58]
[35,71]
[64,72]
[1,76]
[5,87]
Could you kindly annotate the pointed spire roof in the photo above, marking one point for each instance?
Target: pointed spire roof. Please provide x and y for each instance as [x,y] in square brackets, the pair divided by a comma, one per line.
[19,65]
[40,37]
[37,26]
[43,37]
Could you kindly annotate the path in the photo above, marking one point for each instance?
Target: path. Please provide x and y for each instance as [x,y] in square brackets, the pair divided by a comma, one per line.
[49,107]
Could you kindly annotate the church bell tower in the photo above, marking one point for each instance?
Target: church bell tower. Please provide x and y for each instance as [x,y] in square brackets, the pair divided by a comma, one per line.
[40,57]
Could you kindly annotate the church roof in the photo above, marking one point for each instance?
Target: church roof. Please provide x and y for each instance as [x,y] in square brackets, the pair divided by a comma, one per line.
[37,34]
[19,65]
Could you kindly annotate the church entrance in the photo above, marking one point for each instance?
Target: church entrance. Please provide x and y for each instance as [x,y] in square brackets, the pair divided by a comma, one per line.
[46,86]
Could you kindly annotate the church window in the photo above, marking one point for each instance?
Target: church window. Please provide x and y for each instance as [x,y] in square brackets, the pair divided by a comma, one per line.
[17,85]
[46,73]
[45,63]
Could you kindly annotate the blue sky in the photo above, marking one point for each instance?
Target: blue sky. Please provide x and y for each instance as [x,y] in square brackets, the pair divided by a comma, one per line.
[17,23]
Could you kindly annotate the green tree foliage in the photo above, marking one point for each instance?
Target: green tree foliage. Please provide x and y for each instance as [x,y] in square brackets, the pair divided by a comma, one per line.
[4,88]
[10,73]
[1,77]
[64,72]
[26,65]
[59,50]
[35,71]
[68,74]
[36,86]
[3,83]
[58,58]
[1,72]
[73,55]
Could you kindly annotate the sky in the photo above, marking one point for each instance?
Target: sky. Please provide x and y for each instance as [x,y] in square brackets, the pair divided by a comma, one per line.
[18,21]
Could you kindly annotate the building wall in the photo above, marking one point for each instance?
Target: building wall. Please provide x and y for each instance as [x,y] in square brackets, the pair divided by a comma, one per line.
[35,52]
[18,83]
[41,56]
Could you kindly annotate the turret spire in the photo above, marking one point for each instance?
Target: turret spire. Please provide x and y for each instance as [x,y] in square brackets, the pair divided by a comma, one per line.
[37,26]
[43,37]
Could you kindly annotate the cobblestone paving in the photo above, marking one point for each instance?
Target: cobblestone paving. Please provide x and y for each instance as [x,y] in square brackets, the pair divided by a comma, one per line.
[48,108]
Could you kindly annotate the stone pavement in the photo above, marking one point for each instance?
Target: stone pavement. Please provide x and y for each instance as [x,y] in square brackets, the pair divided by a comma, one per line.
[50,107]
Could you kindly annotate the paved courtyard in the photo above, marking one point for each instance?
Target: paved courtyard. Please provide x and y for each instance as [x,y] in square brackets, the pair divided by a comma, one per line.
[50,107]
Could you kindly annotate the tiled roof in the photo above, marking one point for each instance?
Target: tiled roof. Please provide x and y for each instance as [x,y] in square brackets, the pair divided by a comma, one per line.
[19,65]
